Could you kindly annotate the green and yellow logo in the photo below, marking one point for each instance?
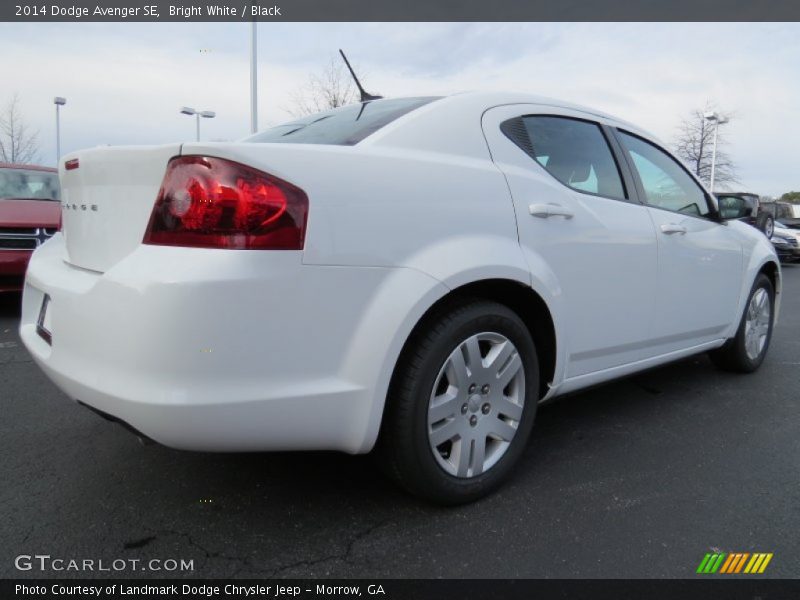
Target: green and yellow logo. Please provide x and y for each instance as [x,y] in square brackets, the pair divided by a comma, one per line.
[735,562]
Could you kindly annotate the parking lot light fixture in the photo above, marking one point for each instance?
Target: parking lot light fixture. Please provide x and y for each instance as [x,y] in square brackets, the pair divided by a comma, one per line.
[206,114]
[59,101]
[717,120]
[254,77]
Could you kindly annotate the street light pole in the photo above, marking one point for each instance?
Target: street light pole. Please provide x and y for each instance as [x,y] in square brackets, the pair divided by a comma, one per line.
[713,117]
[714,156]
[59,102]
[206,114]
[253,77]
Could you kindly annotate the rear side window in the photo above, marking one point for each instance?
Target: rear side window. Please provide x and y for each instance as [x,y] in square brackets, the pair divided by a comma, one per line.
[343,126]
[573,151]
[666,184]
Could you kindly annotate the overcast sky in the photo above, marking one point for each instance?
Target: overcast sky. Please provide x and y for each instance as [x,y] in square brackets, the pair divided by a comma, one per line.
[125,82]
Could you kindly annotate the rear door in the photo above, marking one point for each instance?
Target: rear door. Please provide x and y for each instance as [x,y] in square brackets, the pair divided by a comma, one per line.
[578,219]
[700,265]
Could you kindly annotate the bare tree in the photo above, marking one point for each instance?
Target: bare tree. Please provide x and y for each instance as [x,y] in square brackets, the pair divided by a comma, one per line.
[694,144]
[332,87]
[18,144]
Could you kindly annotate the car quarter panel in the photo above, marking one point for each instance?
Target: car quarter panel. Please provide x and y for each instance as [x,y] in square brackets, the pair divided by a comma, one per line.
[447,215]
[379,206]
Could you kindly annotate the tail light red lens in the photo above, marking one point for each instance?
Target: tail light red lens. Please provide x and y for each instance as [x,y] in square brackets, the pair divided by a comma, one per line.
[207,202]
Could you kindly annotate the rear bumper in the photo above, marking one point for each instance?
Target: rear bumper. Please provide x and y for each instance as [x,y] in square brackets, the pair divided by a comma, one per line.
[12,269]
[216,350]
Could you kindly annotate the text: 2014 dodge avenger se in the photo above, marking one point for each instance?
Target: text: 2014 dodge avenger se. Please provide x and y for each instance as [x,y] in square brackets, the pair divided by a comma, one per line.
[413,275]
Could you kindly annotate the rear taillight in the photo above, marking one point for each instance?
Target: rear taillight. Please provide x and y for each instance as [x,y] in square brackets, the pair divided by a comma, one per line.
[207,202]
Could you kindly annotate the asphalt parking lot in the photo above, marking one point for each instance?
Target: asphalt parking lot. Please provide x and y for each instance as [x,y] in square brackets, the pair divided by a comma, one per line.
[636,479]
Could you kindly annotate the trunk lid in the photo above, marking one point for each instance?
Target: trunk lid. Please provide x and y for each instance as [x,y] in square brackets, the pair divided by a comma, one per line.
[108,199]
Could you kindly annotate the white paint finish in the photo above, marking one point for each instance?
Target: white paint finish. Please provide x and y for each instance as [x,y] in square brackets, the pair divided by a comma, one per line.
[697,271]
[226,332]
[389,207]
[256,350]
[785,232]
[757,251]
[578,383]
[110,197]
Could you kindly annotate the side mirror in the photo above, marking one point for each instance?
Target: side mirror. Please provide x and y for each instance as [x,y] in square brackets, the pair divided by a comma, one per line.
[731,207]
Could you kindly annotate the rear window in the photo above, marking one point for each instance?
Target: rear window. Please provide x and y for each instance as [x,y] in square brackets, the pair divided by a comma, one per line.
[29,183]
[343,126]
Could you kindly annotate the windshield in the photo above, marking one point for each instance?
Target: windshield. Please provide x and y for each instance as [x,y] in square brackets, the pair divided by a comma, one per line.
[343,126]
[29,183]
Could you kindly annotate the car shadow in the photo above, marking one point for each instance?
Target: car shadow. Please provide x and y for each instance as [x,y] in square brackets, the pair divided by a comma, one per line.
[563,427]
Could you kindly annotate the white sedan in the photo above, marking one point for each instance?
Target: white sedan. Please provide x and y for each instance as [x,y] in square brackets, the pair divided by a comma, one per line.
[412,275]
[787,241]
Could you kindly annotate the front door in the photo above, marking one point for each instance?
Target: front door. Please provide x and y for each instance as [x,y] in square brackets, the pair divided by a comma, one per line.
[699,258]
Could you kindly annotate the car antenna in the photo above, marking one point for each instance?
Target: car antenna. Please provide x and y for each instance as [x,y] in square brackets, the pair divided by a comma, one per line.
[365,97]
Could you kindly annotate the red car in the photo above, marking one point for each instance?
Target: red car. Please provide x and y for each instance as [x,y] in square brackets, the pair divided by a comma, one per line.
[30,210]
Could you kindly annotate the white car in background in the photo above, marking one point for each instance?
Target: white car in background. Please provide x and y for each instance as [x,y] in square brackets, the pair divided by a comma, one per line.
[786,241]
[414,274]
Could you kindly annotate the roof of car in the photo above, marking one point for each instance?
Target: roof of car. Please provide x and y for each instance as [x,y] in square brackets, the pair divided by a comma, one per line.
[4,165]
[524,98]
[489,99]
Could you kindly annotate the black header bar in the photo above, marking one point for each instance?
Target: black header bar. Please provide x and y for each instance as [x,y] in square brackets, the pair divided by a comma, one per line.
[399,10]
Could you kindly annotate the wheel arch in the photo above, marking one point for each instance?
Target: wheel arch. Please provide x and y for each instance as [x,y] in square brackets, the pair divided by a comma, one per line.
[522,299]
[758,263]
[772,270]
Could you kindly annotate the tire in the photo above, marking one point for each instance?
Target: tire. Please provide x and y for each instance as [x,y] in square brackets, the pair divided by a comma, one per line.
[435,395]
[766,224]
[736,355]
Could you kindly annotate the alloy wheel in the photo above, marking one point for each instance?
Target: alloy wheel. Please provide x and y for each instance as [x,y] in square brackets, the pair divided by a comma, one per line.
[476,404]
[757,322]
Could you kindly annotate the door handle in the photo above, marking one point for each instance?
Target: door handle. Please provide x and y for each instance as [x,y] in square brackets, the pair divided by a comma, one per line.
[670,228]
[544,211]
